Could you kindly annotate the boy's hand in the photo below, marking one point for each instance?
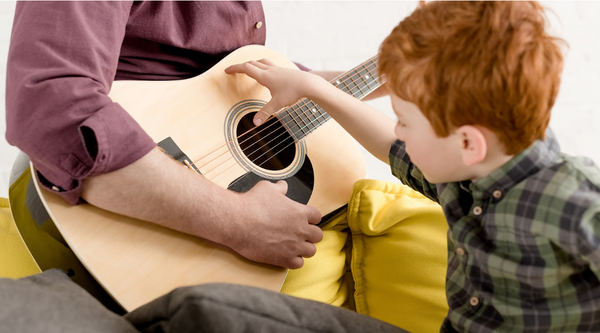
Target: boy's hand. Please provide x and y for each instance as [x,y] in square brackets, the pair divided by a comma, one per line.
[287,86]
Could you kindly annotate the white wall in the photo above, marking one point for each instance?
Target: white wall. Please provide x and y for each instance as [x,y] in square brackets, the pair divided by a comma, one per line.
[338,35]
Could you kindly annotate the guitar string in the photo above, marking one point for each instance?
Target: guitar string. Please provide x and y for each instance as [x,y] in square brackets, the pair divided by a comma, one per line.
[363,67]
[357,74]
[304,101]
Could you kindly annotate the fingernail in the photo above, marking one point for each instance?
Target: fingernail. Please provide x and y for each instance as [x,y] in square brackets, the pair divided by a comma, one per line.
[258,121]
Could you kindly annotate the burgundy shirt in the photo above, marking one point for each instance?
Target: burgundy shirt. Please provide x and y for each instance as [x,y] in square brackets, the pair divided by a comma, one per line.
[64,56]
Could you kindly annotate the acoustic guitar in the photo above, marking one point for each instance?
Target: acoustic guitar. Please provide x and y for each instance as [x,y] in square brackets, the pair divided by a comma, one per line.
[205,122]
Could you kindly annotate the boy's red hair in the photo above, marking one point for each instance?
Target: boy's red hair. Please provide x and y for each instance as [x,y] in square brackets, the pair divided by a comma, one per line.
[477,63]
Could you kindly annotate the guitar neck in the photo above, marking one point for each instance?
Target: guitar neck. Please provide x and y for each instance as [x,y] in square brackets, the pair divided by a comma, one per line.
[306,116]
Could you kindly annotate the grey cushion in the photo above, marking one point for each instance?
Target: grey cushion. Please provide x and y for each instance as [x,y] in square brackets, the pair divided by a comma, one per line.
[233,309]
[51,302]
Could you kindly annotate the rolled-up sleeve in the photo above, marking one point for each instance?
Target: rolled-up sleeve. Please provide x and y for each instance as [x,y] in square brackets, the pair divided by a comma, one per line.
[62,60]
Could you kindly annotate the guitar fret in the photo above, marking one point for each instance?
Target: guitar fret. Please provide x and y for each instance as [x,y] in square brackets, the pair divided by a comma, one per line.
[344,87]
[357,86]
[312,111]
[303,126]
[365,75]
[289,123]
[320,115]
[297,123]
[306,116]
[357,82]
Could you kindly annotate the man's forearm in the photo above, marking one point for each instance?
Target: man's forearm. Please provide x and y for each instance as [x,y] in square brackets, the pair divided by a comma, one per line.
[159,190]
[262,224]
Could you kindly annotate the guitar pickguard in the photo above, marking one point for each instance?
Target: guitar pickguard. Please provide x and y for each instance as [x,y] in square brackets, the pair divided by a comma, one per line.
[300,185]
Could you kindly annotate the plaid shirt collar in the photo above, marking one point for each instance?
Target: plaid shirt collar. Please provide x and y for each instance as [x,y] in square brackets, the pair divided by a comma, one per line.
[541,154]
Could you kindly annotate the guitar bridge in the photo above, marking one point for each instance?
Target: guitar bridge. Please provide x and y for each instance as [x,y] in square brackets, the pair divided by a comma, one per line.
[172,149]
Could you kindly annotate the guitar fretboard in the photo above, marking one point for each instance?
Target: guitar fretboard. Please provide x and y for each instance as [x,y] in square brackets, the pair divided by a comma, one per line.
[306,116]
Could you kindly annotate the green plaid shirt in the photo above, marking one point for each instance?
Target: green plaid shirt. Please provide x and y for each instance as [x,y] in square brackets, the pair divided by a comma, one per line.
[523,242]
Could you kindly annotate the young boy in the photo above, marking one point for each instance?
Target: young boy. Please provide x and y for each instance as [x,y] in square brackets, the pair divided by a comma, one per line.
[472,85]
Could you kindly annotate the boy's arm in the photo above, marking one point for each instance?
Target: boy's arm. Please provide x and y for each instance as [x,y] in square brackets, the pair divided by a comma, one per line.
[371,128]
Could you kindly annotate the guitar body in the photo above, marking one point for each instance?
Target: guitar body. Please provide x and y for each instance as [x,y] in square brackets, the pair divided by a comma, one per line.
[136,261]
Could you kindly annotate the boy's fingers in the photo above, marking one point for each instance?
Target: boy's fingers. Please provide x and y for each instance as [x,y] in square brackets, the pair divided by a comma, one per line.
[250,68]
[247,66]
[254,69]
[267,62]
[233,69]
[260,63]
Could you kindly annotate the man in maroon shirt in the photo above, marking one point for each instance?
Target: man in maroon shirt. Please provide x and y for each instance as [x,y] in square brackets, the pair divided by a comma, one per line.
[62,60]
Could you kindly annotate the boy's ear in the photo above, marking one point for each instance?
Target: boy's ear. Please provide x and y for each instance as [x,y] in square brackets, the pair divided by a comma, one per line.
[474,144]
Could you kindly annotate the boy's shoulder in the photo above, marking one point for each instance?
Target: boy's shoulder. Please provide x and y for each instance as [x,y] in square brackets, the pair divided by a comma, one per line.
[577,171]
[572,183]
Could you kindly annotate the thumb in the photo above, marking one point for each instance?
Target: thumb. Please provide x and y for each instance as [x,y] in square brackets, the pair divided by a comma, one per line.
[282,186]
[263,114]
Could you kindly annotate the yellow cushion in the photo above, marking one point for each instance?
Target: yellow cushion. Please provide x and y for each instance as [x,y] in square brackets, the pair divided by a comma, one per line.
[15,259]
[322,276]
[399,255]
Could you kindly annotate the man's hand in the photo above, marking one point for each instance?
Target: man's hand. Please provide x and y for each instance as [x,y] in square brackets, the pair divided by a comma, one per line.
[274,228]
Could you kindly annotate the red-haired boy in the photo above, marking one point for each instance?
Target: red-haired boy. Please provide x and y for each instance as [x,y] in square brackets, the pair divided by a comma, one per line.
[472,85]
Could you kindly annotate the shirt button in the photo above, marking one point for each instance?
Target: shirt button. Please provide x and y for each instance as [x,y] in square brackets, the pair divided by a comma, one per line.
[497,194]
[460,251]
[474,301]
[477,210]
[258,24]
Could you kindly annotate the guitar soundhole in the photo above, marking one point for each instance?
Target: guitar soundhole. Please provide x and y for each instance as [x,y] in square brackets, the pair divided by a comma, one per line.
[268,146]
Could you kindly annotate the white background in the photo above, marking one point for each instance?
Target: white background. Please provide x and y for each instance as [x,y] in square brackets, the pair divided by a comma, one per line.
[337,35]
